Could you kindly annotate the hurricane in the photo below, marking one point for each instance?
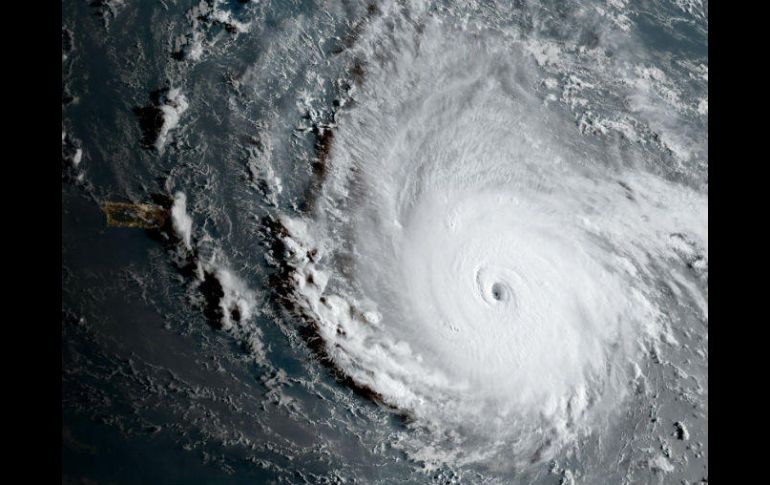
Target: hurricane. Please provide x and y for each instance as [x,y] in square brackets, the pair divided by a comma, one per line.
[393,241]
[475,262]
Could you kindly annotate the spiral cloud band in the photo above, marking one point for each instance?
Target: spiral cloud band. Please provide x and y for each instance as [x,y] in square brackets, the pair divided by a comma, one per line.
[477,262]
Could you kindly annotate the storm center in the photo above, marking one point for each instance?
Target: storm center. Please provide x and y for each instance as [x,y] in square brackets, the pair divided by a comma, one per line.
[498,291]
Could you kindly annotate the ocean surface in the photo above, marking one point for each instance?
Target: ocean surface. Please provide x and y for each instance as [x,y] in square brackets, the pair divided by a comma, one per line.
[385,242]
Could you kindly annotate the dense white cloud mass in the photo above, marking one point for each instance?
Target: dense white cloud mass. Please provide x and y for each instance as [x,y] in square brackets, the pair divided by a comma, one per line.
[477,261]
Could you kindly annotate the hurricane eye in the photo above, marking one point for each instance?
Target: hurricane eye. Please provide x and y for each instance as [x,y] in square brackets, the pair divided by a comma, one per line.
[498,292]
